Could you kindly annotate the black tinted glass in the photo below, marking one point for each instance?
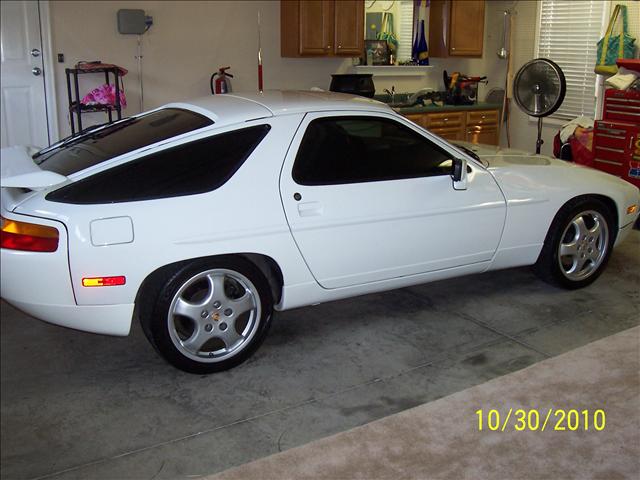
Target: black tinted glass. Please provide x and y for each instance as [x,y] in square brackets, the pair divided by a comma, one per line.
[122,137]
[338,150]
[195,167]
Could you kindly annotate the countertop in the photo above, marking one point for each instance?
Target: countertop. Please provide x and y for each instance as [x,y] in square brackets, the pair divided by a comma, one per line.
[448,108]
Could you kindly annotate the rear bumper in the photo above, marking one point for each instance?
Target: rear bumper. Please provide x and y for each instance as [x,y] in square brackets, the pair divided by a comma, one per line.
[39,284]
[105,319]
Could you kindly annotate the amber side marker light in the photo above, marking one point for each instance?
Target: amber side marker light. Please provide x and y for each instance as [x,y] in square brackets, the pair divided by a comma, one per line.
[28,237]
[104,281]
[632,209]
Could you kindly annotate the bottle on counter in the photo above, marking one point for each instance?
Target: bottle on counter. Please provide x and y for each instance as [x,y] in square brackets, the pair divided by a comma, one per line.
[422,51]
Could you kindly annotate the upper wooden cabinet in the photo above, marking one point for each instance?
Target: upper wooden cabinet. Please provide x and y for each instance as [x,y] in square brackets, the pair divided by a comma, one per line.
[311,28]
[456,28]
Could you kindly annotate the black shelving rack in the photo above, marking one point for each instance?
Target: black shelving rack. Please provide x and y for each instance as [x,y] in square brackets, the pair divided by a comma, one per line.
[76,109]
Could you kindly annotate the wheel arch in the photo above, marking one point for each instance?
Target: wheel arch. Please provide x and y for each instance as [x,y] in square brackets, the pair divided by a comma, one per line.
[608,201]
[154,280]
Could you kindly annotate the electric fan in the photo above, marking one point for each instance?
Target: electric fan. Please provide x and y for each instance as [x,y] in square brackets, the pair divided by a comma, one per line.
[539,88]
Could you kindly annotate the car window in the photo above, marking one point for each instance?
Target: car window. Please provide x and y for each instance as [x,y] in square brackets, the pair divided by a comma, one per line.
[122,137]
[338,150]
[195,167]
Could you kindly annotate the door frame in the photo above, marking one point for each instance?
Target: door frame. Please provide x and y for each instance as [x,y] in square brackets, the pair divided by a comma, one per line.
[51,105]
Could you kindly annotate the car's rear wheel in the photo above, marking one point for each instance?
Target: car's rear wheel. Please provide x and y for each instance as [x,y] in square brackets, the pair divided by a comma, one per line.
[211,315]
[578,244]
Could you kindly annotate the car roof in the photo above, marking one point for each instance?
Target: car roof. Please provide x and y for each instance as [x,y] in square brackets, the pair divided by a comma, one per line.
[239,107]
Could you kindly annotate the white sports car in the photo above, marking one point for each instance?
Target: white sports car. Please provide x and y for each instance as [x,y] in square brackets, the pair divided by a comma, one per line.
[201,218]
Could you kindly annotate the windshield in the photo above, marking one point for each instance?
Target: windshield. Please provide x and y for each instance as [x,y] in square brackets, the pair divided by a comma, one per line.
[97,146]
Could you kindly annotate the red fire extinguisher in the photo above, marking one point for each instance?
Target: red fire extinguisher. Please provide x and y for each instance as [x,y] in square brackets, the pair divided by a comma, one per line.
[222,84]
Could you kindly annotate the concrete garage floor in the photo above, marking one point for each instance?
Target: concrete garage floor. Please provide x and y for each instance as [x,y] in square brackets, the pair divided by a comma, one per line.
[75,405]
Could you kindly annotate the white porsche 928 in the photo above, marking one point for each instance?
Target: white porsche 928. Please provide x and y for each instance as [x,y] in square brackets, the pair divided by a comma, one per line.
[200,219]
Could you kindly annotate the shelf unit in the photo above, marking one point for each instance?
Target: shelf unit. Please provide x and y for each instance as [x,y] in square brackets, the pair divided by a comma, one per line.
[394,70]
[76,109]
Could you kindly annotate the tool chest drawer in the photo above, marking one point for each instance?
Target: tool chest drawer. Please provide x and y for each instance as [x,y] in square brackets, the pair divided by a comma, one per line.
[622,105]
[616,146]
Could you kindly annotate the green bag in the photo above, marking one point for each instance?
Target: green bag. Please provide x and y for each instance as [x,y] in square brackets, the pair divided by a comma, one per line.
[612,47]
[387,33]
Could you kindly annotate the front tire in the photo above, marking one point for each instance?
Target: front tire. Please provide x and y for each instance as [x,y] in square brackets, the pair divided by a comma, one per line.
[578,244]
[210,315]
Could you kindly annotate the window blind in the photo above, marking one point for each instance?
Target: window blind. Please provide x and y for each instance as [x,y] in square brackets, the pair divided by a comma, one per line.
[405,30]
[568,34]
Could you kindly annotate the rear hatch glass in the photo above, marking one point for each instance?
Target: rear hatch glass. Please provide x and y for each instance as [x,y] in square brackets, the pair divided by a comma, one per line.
[95,147]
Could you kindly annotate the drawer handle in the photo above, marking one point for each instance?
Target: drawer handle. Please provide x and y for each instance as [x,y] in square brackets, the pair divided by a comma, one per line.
[617,150]
[482,116]
[446,119]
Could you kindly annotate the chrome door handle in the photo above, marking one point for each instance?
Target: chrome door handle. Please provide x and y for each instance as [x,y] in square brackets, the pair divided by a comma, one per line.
[35,52]
[36,71]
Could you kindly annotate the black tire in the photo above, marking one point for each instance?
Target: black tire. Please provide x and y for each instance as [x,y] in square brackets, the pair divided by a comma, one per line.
[211,314]
[564,232]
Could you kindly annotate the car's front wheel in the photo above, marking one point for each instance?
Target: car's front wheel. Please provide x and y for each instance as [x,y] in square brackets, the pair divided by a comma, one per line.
[211,315]
[578,244]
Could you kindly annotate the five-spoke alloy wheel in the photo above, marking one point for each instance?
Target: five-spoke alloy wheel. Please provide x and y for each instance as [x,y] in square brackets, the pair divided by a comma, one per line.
[578,244]
[584,245]
[211,315]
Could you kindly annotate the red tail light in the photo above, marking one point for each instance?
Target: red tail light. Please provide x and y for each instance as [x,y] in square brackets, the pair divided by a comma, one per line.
[29,237]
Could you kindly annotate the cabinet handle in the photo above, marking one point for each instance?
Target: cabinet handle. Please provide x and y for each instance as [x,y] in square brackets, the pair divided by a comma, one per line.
[446,119]
[339,46]
[453,48]
[328,47]
[482,116]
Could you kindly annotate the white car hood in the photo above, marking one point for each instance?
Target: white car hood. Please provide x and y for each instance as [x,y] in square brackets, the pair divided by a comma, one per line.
[527,178]
[497,157]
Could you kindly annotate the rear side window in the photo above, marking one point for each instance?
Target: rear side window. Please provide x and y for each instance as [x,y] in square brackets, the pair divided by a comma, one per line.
[195,167]
[339,150]
[122,137]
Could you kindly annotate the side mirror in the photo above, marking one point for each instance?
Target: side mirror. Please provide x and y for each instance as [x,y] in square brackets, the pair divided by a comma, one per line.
[459,174]
[456,172]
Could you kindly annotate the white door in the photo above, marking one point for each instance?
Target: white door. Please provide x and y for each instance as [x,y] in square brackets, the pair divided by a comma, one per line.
[370,197]
[24,114]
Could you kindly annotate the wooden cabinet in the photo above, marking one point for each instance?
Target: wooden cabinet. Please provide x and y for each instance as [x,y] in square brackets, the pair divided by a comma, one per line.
[326,28]
[482,127]
[475,126]
[456,28]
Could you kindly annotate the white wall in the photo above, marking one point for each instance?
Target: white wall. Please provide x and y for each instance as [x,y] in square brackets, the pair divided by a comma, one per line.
[191,39]
[186,44]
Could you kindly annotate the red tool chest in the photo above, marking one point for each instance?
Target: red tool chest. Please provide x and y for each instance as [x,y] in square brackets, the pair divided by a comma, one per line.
[616,138]
[617,149]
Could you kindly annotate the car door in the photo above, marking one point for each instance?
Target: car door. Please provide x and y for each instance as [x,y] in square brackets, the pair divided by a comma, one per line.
[369,197]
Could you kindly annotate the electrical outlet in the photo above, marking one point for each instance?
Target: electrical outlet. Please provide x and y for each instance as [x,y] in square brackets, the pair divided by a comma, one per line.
[61,58]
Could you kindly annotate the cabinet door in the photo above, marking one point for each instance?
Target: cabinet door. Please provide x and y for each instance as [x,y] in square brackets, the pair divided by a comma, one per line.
[349,27]
[485,135]
[449,133]
[417,118]
[316,27]
[466,28]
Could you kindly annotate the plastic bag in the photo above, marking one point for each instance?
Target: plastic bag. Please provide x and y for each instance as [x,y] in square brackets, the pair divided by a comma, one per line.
[104,95]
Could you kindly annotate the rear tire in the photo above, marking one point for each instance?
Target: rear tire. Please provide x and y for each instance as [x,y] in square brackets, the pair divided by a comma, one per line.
[578,244]
[209,315]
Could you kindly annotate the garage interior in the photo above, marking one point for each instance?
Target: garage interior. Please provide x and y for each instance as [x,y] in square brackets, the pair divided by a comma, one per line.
[346,389]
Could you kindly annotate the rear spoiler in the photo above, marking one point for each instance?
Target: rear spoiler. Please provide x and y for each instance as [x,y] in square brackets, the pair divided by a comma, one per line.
[18,170]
